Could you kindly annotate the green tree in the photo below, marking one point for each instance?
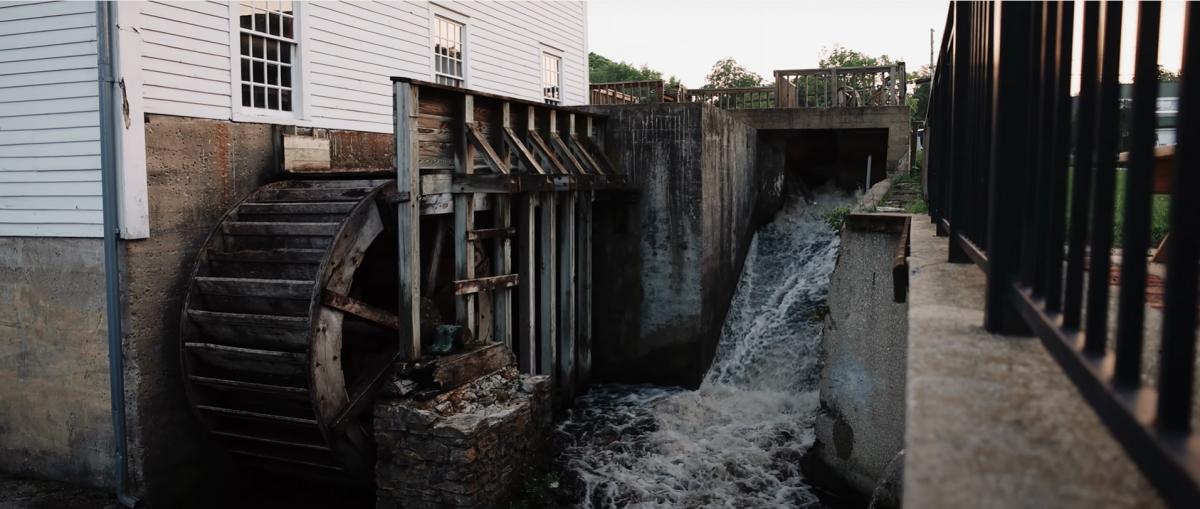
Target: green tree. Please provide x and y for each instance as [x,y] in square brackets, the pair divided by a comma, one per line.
[605,70]
[841,56]
[727,73]
[1165,75]
[918,100]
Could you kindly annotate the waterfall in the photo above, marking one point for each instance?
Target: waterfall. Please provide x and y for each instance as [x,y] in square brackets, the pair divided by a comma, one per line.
[737,441]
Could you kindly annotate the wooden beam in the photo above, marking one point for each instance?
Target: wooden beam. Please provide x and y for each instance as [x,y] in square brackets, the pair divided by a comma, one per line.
[464,221]
[583,351]
[527,158]
[540,146]
[527,306]
[485,284]
[352,306]
[492,159]
[502,246]
[459,183]
[547,277]
[566,296]
[492,233]
[408,221]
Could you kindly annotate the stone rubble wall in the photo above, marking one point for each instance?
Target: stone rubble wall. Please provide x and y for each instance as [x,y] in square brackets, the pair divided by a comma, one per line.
[465,448]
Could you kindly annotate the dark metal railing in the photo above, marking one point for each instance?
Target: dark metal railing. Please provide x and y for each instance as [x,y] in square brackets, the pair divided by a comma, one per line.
[1026,186]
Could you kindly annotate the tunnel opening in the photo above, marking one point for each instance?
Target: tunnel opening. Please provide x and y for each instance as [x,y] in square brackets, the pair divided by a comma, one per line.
[851,159]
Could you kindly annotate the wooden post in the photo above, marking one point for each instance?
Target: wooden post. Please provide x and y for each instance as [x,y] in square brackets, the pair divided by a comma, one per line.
[502,249]
[528,328]
[547,310]
[408,220]
[464,222]
[583,351]
[547,277]
[566,274]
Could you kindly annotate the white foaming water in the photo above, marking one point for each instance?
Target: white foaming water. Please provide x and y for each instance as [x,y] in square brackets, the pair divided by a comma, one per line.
[737,441]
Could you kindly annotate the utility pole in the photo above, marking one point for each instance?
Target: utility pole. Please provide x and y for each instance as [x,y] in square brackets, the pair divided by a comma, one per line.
[931,53]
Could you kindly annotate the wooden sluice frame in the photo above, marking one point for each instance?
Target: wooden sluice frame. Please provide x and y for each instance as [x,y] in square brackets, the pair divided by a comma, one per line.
[464,152]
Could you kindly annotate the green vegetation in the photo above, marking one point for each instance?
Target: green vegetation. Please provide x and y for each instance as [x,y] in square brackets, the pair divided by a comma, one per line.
[917,207]
[727,73]
[1160,205]
[604,70]
[836,217]
[841,56]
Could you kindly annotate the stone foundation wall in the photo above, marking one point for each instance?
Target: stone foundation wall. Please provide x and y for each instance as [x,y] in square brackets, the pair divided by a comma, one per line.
[467,448]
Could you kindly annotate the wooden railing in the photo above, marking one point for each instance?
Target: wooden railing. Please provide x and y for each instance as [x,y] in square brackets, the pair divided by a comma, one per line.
[635,92]
[833,87]
[734,98]
[841,87]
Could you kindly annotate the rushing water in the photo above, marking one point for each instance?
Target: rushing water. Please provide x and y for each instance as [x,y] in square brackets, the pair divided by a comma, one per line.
[737,441]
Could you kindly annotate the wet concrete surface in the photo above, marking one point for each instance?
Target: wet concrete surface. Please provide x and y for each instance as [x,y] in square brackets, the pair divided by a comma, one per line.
[17,493]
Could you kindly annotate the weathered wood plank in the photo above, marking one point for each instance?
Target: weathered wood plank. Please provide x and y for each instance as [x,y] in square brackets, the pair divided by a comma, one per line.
[583,352]
[489,154]
[464,221]
[492,233]
[281,229]
[408,183]
[527,306]
[484,284]
[251,360]
[523,154]
[566,296]
[548,277]
[360,309]
[255,287]
[547,155]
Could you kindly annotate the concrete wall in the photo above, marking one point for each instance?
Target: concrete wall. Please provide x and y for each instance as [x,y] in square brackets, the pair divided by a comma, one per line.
[699,204]
[893,118]
[197,169]
[860,428]
[54,404]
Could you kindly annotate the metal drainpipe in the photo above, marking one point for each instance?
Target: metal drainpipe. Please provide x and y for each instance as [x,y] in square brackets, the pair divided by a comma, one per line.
[112,290]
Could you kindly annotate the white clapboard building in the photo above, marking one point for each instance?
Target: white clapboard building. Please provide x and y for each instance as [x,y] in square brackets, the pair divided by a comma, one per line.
[322,64]
[171,112]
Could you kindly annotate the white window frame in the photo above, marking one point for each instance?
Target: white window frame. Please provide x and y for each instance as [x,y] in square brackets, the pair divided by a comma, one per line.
[437,11]
[549,51]
[300,113]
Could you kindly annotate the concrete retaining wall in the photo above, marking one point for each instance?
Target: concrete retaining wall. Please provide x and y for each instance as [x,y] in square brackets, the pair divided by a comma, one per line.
[896,119]
[667,264]
[197,169]
[860,428]
[54,404]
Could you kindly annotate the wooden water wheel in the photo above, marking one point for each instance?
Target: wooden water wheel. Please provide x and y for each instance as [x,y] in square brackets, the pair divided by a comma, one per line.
[283,333]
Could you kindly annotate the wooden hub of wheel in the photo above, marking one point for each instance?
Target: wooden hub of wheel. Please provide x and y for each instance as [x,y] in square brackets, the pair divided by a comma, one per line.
[283,334]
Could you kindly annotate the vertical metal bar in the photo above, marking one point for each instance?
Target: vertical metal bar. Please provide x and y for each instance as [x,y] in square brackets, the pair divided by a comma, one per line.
[1010,121]
[1183,250]
[1043,178]
[1028,172]
[1107,132]
[1139,176]
[408,218]
[1061,157]
[1081,192]
[957,174]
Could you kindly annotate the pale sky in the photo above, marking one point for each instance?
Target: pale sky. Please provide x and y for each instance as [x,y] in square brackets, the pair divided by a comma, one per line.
[685,37]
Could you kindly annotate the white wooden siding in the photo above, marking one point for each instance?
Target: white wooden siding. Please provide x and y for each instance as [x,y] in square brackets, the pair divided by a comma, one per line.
[352,49]
[49,120]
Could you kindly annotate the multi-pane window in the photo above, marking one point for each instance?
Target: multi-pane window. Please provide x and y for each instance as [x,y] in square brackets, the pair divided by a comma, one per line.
[268,51]
[448,52]
[552,78]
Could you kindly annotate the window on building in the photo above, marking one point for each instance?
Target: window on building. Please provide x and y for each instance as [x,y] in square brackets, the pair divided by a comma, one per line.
[267,33]
[448,52]
[552,78]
